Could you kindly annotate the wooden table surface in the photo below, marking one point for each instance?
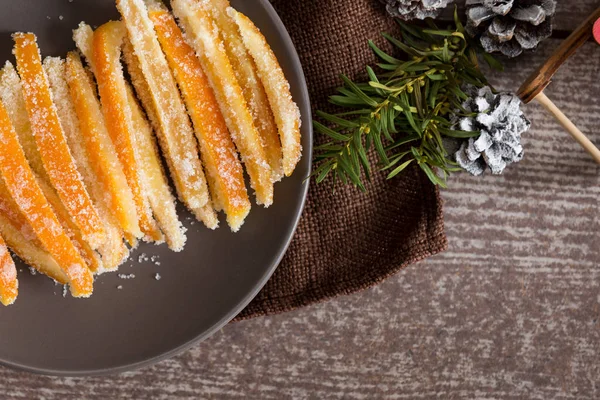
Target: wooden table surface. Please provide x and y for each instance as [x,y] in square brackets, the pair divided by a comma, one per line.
[510,311]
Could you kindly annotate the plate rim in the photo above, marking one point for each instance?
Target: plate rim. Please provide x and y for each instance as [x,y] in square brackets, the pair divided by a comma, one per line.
[307,153]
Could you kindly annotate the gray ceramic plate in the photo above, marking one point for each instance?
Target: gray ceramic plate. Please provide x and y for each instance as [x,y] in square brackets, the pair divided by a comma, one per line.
[200,289]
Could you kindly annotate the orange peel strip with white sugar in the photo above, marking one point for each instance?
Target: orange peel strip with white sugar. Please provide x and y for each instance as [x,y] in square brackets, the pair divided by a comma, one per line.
[175,132]
[87,253]
[99,146]
[203,36]
[51,141]
[143,91]
[11,94]
[287,114]
[252,87]
[25,191]
[106,52]
[12,97]
[9,284]
[32,254]
[160,197]
[218,151]
[112,250]
[22,240]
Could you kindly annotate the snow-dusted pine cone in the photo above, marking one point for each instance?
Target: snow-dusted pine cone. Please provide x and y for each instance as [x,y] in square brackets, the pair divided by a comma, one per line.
[501,123]
[415,9]
[510,26]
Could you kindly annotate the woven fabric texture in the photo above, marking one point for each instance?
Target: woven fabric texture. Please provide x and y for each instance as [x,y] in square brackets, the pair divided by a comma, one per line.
[348,240]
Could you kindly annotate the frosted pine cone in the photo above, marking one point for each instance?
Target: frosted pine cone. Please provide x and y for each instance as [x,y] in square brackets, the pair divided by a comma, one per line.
[510,26]
[501,123]
[415,9]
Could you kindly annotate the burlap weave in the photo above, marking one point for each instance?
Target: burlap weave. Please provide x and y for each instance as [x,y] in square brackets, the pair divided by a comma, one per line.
[348,241]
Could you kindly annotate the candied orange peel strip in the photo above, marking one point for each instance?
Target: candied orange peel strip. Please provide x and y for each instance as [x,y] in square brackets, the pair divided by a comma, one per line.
[22,240]
[285,109]
[175,132]
[12,97]
[159,193]
[207,213]
[113,250]
[90,257]
[32,254]
[11,94]
[10,211]
[51,142]
[9,284]
[203,36]
[106,53]
[25,191]
[218,151]
[252,87]
[100,148]
[160,196]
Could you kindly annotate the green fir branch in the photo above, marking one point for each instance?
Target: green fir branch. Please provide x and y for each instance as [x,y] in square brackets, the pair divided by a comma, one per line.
[404,111]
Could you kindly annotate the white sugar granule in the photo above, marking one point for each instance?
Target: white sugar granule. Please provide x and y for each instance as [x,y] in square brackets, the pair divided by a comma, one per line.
[127,276]
[8,272]
[65,290]
[76,272]
[157,277]
[120,287]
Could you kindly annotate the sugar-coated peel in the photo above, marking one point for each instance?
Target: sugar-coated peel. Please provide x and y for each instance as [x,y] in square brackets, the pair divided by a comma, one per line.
[12,97]
[113,251]
[175,133]
[203,36]
[284,108]
[100,148]
[22,240]
[27,194]
[91,258]
[11,94]
[218,151]
[31,253]
[252,87]
[158,190]
[107,43]
[9,284]
[51,142]
[159,194]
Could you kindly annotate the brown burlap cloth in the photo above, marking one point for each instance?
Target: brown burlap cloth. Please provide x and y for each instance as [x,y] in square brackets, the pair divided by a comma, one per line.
[347,240]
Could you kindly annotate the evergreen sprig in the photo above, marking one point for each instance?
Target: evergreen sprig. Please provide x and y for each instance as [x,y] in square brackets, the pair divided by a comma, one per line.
[404,110]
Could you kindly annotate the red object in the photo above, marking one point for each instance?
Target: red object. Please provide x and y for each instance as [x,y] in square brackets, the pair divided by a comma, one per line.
[597,31]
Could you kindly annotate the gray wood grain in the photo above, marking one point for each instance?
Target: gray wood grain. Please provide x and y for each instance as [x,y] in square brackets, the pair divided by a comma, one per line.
[570,13]
[510,311]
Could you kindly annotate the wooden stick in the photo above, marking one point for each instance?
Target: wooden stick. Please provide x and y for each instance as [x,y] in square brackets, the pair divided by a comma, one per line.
[569,126]
[541,78]
[534,86]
